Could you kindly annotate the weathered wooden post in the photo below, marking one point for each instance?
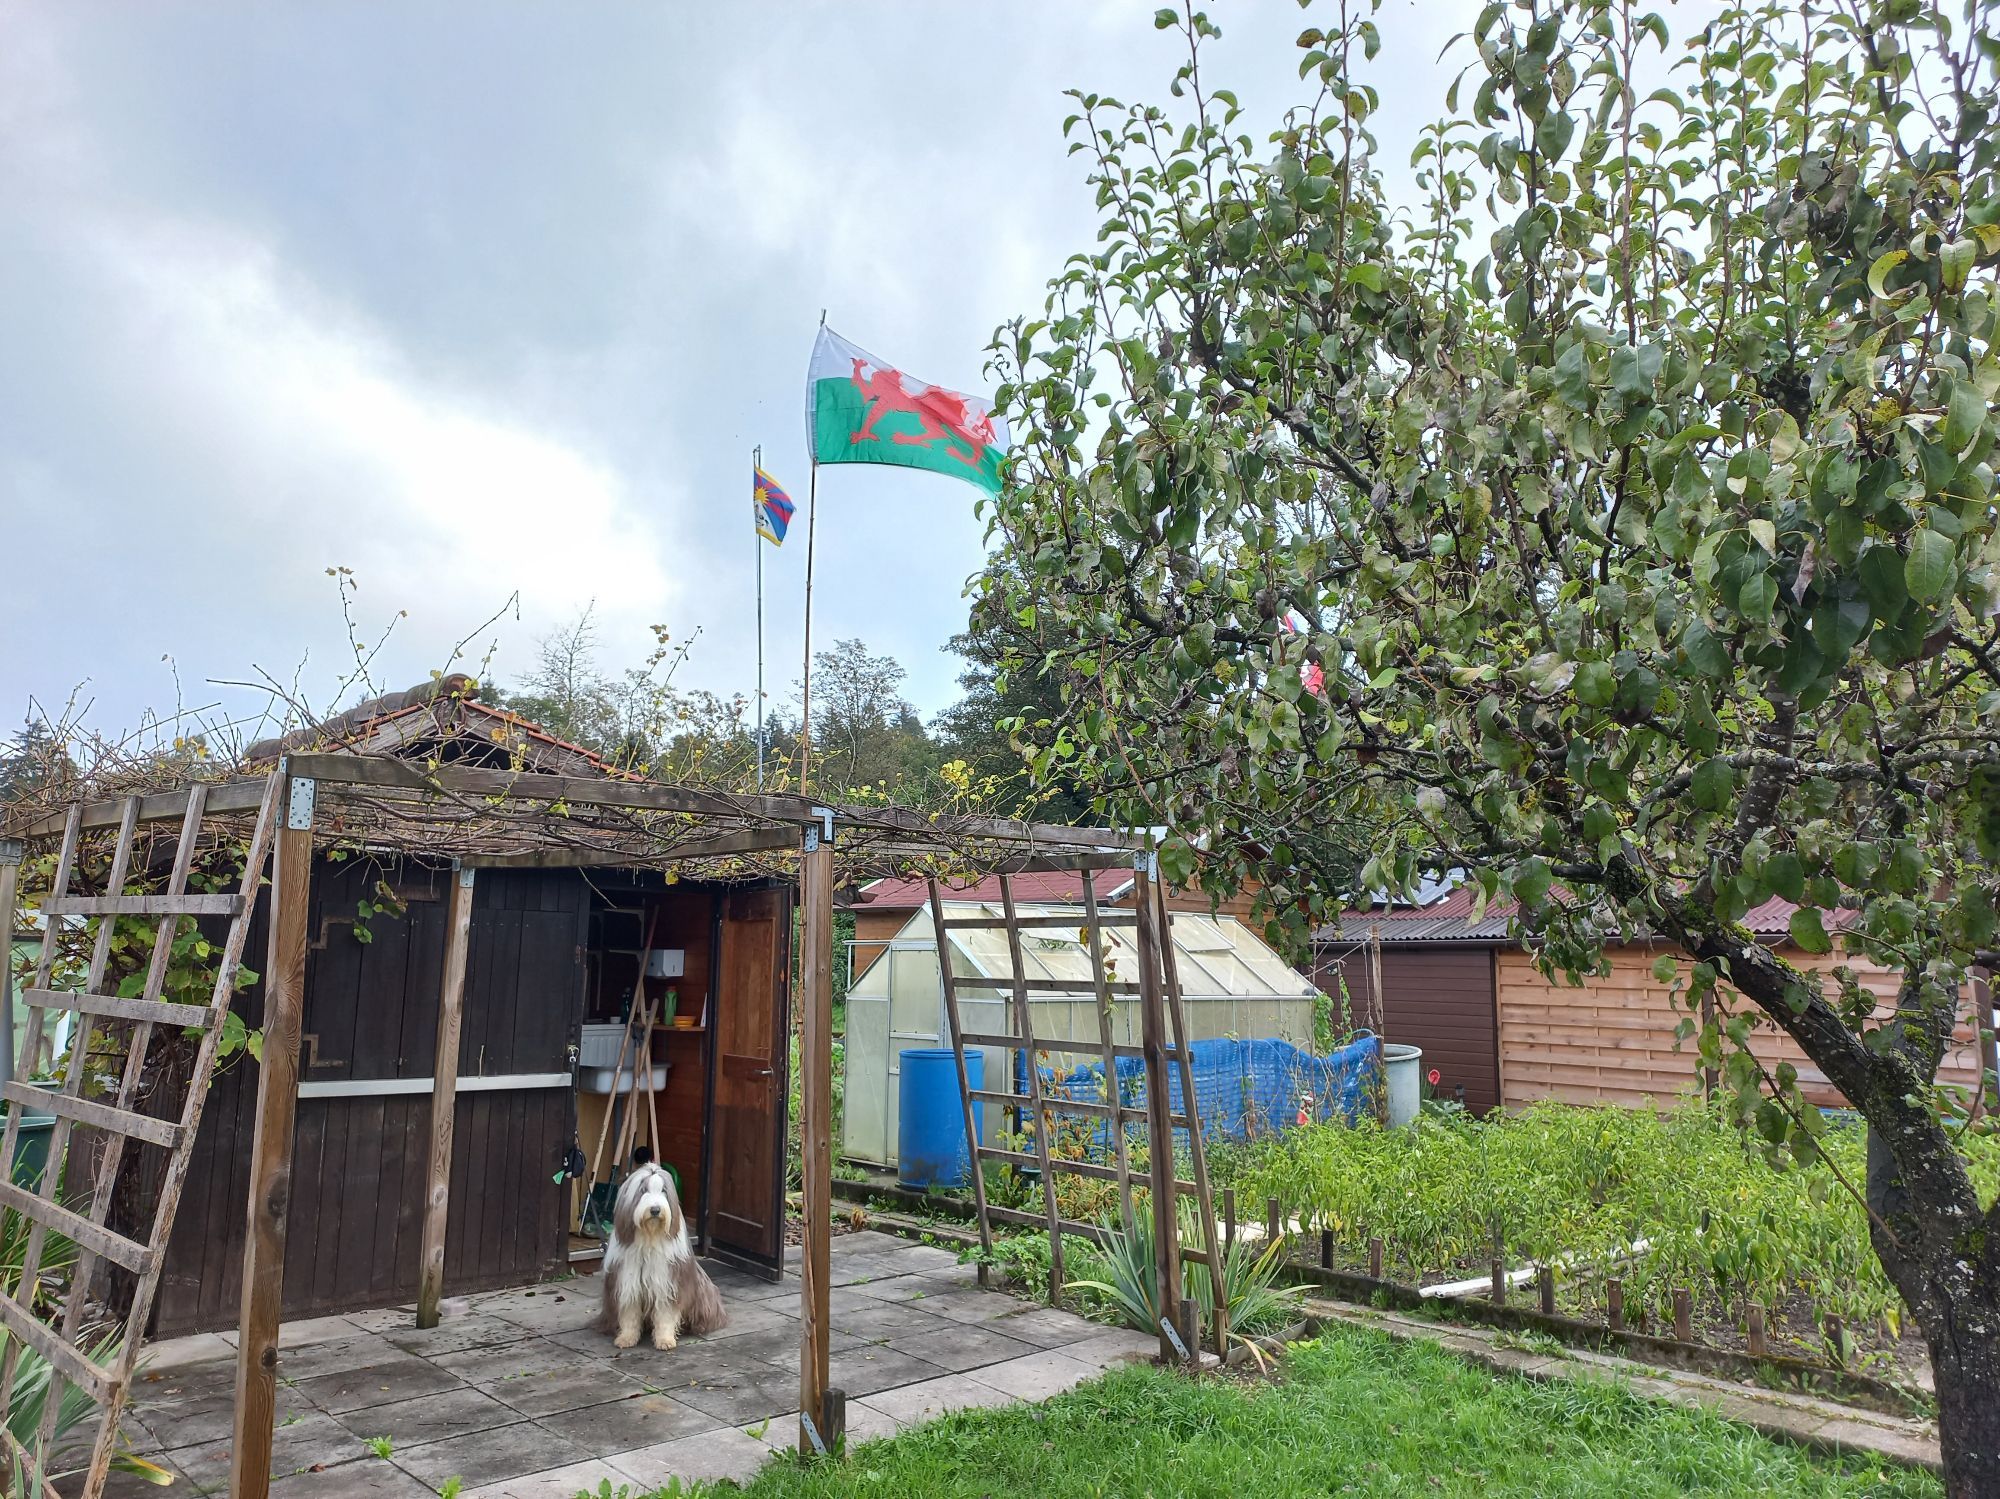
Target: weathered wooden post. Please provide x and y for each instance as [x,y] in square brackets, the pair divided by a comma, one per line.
[1374,1259]
[1545,1281]
[444,1094]
[1159,1102]
[1614,1304]
[1753,1330]
[1683,1314]
[271,1144]
[816,1130]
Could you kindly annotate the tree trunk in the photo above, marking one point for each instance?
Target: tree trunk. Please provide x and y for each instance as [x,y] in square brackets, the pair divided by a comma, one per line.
[1966,1364]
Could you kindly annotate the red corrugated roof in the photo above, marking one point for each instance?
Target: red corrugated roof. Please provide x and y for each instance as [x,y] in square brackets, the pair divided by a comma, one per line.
[1037,889]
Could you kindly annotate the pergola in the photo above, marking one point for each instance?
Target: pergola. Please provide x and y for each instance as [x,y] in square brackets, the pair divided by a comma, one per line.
[476,818]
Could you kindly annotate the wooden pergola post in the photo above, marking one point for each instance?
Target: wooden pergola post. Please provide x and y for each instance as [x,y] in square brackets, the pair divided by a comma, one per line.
[271,1150]
[819,1417]
[1159,1105]
[10,874]
[444,1093]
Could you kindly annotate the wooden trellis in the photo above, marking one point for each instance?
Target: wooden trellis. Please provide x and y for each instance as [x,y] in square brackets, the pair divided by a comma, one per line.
[100,1362]
[1157,989]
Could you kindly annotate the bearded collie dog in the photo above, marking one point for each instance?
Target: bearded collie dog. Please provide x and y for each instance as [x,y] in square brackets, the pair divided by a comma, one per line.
[650,1272]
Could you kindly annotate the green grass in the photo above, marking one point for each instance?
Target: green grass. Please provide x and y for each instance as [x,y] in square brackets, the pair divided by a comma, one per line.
[1355,1414]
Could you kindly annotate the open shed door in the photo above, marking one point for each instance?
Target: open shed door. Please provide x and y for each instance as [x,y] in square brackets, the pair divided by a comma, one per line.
[751,1034]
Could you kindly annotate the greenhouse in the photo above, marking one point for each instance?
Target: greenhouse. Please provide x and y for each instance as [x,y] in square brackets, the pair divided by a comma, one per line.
[1233,985]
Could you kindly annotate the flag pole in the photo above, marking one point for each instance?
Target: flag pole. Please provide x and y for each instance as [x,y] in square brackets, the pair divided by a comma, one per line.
[806,690]
[806,695]
[757,541]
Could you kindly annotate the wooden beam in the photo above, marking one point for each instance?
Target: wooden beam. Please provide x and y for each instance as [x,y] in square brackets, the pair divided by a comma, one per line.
[444,1097]
[271,1153]
[10,875]
[742,841]
[245,795]
[798,811]
[1159,1109]
[815,1135]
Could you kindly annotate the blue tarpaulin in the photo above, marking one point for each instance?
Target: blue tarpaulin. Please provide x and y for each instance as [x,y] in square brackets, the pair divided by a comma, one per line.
[1243,1089]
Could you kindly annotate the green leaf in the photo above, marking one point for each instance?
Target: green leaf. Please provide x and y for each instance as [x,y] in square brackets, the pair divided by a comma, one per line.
[1553,134]
[1705,652]
[1928,570]
[1964,416]
[1809,932]
[1878,273]
[1787,876]
[1665,969]
[1595,684]
[1531,882]
[1713,784]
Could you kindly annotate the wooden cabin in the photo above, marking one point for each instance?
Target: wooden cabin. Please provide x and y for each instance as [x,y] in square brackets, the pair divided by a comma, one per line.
[1501,1033]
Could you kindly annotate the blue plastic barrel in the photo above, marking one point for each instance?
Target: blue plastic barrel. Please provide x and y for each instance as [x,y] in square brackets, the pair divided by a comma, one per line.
[930,1134]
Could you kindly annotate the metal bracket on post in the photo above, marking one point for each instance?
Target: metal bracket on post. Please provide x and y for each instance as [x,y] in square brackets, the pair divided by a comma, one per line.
[1147,863]
[814,836]
[299,805]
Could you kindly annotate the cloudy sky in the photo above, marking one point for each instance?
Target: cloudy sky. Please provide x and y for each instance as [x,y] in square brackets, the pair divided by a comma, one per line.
[496,300]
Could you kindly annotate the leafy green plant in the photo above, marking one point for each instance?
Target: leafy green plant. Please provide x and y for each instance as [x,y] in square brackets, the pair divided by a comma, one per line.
[76,1413]
[1256,1304]
[381,1446]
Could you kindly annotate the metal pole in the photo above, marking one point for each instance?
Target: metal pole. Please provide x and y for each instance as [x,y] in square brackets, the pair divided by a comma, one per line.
[757,540]
[806,694]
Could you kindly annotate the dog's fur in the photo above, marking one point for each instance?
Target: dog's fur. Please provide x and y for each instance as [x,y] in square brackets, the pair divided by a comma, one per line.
[650,1273]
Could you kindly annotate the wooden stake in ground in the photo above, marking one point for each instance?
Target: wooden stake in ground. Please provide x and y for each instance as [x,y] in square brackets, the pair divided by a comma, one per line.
[1614,1303]
[1753,1330]
[1683,1314]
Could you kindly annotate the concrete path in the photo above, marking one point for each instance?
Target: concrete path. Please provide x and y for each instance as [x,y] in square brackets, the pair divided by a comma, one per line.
[515,1395]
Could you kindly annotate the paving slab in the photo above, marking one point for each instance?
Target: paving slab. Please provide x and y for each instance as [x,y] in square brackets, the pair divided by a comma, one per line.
[863,1371]
[743,1396]
[640,1420]
[429,1418]
[932,1398]
[1035,1376]
[714,1455]
[480,1330]
[555,1390]
[311,1440]
[523,1357]
[338,1355]
[366,1478]
[958,1347]
[378,1384]
[555,1483]
[1047,1327]
[483,1457]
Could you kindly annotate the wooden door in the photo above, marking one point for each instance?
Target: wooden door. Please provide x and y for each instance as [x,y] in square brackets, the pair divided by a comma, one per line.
[750,1032]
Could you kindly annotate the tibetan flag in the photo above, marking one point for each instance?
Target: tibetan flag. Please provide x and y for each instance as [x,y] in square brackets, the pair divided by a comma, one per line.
[772,507]
[860,410]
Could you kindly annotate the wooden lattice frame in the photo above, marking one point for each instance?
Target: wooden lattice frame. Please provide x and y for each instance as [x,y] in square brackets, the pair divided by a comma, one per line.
[59,1339]
[1160,1009]
[477,817]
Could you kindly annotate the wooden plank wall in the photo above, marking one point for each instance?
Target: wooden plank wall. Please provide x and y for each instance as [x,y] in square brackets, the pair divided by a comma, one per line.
[1612,1041]
[1440,999]
[359,1163]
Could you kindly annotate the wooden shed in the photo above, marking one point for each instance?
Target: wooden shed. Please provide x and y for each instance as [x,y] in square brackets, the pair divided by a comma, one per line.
[1501,1033]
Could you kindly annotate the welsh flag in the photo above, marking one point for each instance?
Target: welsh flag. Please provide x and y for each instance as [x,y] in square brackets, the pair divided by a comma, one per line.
[860,410]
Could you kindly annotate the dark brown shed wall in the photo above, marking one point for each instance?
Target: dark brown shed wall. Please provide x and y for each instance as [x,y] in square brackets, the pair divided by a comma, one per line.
[1439,999]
